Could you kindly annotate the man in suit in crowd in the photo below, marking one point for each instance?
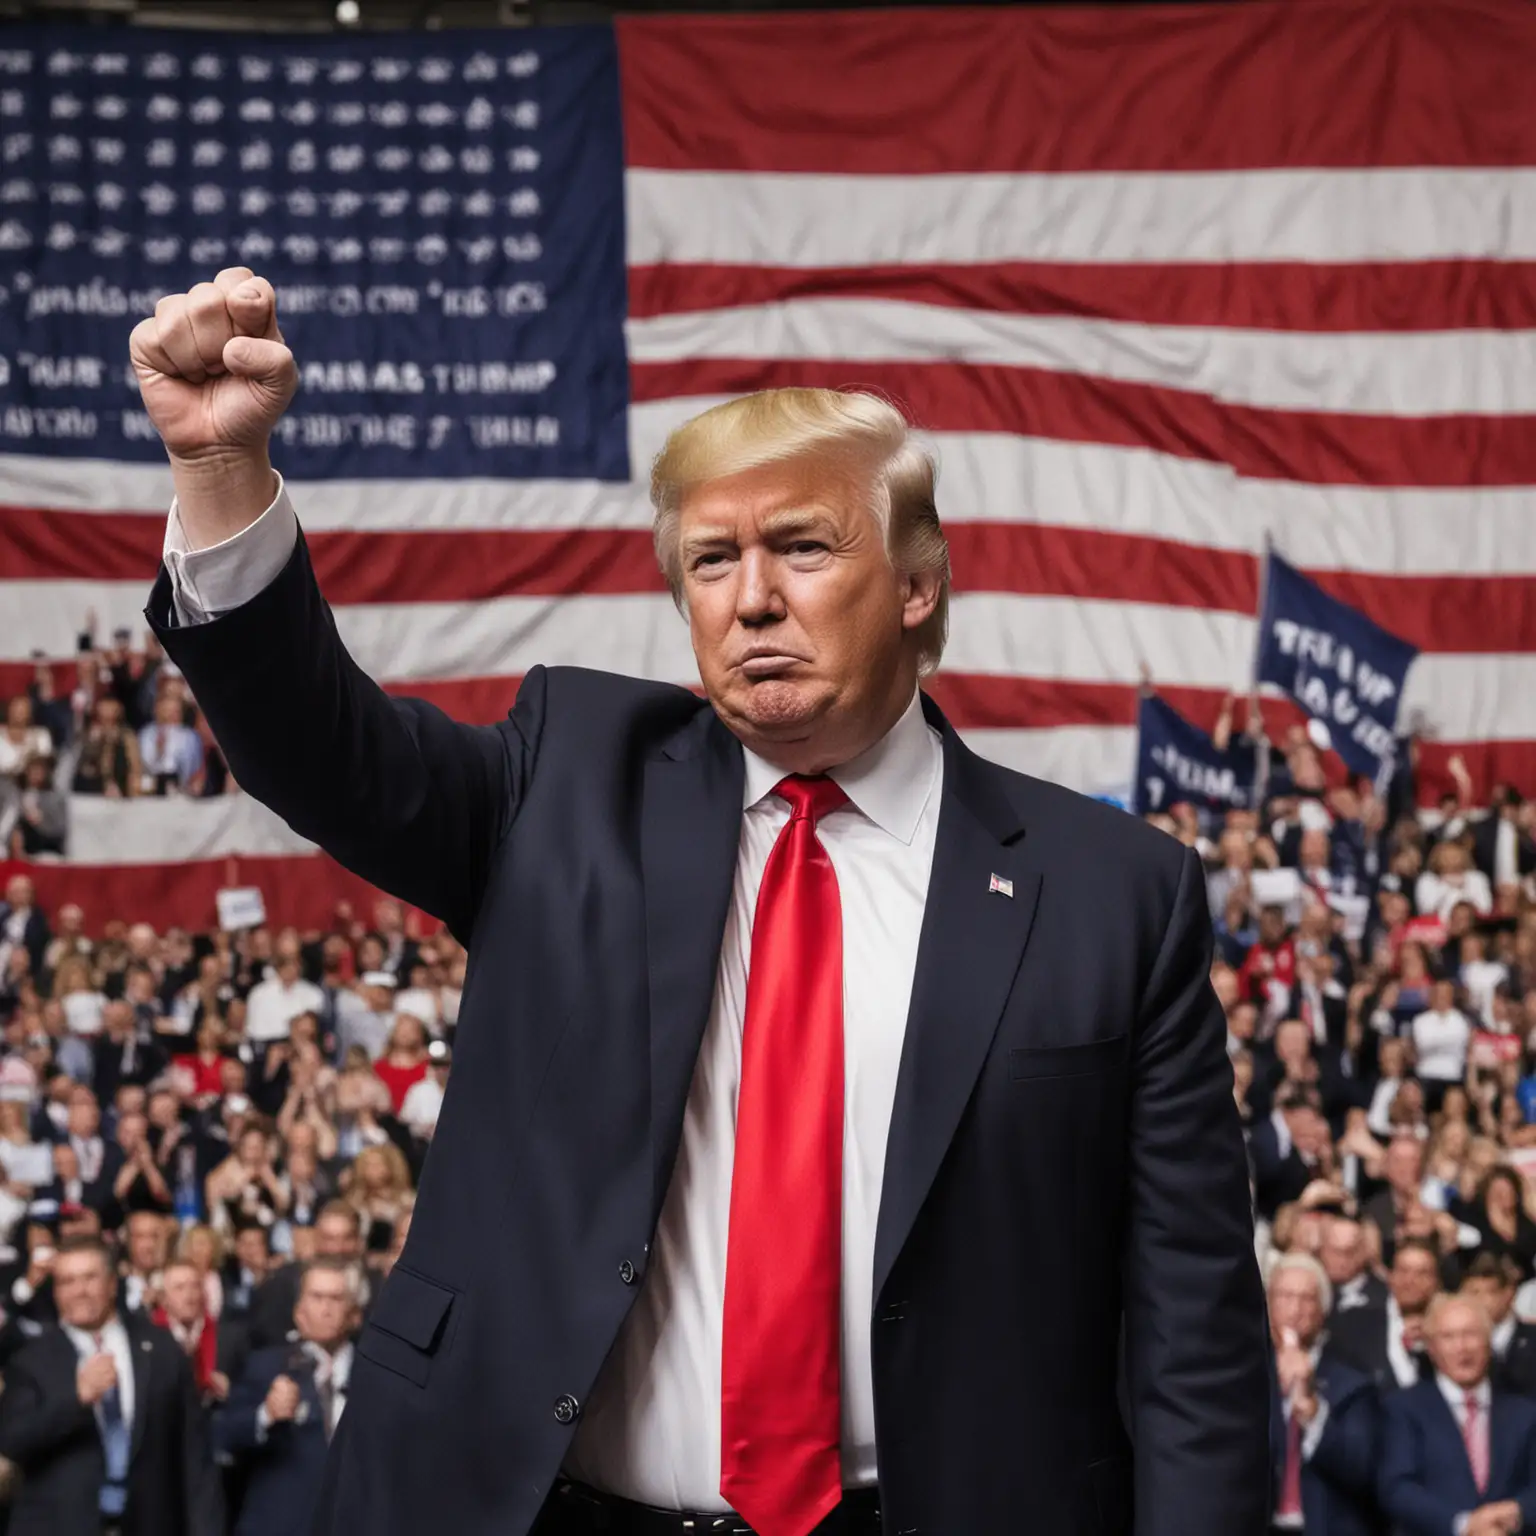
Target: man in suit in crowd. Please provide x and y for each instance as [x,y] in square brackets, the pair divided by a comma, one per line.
[1502,847]
[1293,1060]
[1458,1451]
[216,1348]
[102,1417]
[890,1181]
[338,1235]
[1403,1166]
[1388,1344]
[1346,1259]
[1286,1149]
[1492,1280]
[285,1407]
[1323,1415]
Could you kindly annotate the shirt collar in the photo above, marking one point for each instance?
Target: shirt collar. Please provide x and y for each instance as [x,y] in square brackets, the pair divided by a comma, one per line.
[1482,1393]
[85,1341]
[890,783]
[1503,1333]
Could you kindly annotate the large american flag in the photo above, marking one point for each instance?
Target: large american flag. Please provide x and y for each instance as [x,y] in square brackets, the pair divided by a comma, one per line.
[1157,282]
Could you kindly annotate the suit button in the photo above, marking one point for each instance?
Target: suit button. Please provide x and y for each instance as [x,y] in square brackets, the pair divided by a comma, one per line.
[567,1409]
[627,1272]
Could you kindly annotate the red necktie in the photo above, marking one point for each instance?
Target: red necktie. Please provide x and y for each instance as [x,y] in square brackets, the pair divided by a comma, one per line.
[780,1415]
[1290,1486]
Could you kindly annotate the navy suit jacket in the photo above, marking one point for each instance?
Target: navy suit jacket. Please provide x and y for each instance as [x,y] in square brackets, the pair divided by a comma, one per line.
[284,1472]
[1426,1479]
[1338,1481]
[1064,1149]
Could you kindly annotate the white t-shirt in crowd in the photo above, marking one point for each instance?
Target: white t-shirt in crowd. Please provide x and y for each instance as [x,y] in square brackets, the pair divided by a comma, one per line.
[272,1007]
[1441,1040]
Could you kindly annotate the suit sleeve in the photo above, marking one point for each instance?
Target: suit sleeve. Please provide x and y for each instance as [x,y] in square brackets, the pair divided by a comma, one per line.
[35,1423]
[1195,1331]
[235,1423]
[1411,1507]
[410,800]
[204,1489]
[1346,1454]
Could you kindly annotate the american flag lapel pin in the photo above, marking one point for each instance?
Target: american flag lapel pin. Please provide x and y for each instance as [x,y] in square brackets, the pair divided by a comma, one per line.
[1001,886]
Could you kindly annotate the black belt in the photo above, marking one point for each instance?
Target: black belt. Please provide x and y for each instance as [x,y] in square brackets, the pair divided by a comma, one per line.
[857,1515]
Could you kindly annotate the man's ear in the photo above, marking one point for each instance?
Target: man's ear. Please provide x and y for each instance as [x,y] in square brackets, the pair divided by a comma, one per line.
[920,596]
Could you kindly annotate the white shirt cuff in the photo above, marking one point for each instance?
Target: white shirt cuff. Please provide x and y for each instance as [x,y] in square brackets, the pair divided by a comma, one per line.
[263,1425]
[208,582]
[1460,1523]
[1313,1433]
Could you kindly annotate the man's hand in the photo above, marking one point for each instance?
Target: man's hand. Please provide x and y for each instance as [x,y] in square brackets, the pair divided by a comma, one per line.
[95,1378]
[282,1400]
[1502,1519]
[218,1386]
[1293,1365]
[215,376]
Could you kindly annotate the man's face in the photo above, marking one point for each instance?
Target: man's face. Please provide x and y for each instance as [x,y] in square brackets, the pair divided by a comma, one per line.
[1295,1305]
[1404,1165]
[1271,925]
[1342,1252]
[325,1311]
[1415,1279]
[84,1114]
[1494,1297]
[251,1249]
[146,1243]
[130,1133]
[1458,1343]
[337,1238]
[1293,1042]
[800,625]
[83,1289]
[182,1292]
[18,891]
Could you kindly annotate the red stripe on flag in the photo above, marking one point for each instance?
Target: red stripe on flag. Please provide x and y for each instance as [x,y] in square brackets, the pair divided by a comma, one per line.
[1349,83]
[1444,613]
[1316,447]
[1295,296]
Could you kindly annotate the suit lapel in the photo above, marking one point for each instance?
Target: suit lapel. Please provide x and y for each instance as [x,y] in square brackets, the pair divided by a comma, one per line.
[690,829]
[972,940]
[143,1353]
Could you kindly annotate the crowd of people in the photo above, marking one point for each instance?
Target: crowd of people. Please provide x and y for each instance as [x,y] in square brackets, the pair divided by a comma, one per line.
[210,1144]
[122,725]
[209,1148]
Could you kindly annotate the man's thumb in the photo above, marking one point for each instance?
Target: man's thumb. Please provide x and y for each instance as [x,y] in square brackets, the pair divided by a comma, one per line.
[262,361]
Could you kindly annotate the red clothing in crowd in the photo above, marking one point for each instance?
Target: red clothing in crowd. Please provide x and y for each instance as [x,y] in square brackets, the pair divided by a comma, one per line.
[204,1349]
[399,1079]
[1262,965]
[206,1077]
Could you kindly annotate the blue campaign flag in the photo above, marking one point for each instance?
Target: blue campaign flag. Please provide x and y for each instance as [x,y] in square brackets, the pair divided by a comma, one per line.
[1178,761]
[1341,667]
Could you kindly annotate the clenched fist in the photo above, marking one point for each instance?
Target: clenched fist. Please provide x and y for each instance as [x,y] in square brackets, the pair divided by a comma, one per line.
[95,1378]
[282,1402]
[215,377]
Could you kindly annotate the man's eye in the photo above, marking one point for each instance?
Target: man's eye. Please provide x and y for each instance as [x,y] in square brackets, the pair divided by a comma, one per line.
[806,547]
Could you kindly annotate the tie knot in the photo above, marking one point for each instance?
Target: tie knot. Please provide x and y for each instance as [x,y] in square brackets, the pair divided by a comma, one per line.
[809,799]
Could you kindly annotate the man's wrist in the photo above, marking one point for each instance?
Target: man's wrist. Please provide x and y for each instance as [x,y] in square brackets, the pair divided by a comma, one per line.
[220,493]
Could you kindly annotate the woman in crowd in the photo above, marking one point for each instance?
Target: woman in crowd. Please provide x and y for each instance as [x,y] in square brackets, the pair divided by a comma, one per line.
[245,1188]
[404,1061]
[1504,1229]
[380,1192]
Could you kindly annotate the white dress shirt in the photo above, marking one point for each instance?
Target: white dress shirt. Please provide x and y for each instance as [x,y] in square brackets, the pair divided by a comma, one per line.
[272,1007]
[651,1428]
[115,1342]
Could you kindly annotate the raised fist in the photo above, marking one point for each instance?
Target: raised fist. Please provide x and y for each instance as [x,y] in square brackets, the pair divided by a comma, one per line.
[212,367]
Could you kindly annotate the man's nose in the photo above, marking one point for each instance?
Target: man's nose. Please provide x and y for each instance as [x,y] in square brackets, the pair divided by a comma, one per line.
[758,599]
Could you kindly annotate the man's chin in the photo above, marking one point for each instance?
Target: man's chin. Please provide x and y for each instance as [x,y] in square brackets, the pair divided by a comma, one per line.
[777,709]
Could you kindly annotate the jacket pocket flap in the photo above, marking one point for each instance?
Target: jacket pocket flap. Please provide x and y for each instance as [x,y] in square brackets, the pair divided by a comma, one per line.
[412,1308]
[1066,1060]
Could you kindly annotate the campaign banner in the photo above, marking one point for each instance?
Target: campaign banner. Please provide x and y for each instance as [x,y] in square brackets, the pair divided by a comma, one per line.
[1341,667]
[1178,761]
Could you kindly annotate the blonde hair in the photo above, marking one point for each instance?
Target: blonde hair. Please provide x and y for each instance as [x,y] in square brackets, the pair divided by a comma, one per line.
[1303,1264]
[778,424]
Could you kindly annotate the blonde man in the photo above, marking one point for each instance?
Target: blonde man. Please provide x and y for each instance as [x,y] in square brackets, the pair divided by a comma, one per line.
[824,1095]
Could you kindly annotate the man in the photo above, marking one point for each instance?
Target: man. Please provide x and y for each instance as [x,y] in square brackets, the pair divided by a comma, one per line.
[338,1237]
[120,1054]
[139,1186]
[1287,1148]
[1323,1416]
[287,1403]
[1292,1061]
[973,1096]
[1501,848]
[22,924]
[148,1246]
[1403,1167]
[1491,1281]
[183,1313]
[1388,1345]
[98,1160]
[273,1004]
[1346,1260]
[103,1419]
[1458,1455]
